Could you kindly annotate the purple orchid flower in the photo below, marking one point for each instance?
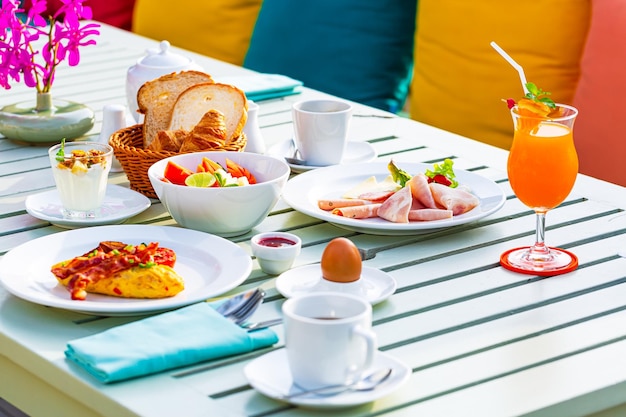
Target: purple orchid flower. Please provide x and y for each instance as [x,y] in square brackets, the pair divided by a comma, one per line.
[21,57]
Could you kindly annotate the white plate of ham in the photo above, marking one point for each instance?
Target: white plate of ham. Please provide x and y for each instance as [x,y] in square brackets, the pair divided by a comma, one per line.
[406,212]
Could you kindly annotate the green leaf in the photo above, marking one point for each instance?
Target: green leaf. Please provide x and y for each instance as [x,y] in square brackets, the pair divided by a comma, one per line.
[532,89]
[446,169]
[221,180]
[60,155]
[537,94]
[399,175]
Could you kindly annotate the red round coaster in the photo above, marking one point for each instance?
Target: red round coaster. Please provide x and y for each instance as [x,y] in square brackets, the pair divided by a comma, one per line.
[504,261]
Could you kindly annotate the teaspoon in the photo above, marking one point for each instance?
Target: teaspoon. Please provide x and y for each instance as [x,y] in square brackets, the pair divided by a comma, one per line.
[367,383]
[293,159]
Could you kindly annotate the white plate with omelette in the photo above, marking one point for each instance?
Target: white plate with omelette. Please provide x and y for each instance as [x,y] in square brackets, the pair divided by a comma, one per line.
[210,266]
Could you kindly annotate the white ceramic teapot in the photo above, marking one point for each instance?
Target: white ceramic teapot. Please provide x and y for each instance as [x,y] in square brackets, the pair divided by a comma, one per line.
[155,63]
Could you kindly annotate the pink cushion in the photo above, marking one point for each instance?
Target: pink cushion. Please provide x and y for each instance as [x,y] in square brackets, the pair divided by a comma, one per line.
[600,141]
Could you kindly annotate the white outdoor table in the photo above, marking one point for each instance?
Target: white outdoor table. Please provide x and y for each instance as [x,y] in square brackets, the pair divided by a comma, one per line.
[480,340]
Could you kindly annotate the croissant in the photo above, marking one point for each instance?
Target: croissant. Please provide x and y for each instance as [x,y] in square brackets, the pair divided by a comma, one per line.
[209,133]
[168,140]
[212,124]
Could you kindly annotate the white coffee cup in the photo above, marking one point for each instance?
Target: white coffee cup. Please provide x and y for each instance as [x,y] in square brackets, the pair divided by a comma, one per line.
[329,338]
[321,130]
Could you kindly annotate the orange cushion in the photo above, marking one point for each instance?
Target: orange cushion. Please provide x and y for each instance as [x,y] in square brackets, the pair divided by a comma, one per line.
[459,79]
[600,141]
[217,28]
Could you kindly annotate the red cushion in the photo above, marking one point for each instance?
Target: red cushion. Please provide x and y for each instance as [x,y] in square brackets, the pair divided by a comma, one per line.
[113,12]
[600,141]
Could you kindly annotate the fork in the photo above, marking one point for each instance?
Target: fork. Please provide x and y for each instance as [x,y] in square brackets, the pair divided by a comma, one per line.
[261,324]
[236,302]
[247,308]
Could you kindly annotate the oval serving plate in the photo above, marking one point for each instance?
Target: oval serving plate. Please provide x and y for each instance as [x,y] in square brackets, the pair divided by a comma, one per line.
[303,192]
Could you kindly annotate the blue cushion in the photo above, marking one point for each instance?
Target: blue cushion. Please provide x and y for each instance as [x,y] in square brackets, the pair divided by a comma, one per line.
[356,49]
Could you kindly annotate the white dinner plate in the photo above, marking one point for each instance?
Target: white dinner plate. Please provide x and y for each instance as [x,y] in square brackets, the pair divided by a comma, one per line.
[374,285]
[303,192]
[356,152]
[210,266]
[270,375]
[120,203]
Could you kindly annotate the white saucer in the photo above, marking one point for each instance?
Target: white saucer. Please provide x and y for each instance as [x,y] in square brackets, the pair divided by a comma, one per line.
[119,204]
[374,284]
[356,152]
[270,375]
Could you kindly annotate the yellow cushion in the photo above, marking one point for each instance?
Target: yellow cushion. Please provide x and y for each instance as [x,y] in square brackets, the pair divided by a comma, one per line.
[600,94]
[217,28]
[459,79]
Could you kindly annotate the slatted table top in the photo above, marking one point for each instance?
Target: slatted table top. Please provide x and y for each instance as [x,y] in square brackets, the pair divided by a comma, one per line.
[480,340]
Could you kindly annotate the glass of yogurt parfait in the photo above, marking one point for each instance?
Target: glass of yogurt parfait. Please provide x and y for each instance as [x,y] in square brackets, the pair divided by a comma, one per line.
[81,172]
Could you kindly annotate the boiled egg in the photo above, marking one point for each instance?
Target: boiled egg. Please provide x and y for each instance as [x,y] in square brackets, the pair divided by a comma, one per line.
[341,261]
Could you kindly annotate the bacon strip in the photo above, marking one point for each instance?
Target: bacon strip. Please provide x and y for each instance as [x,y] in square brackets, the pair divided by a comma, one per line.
[339,203]
[427,214]
[358,212]
[99,263]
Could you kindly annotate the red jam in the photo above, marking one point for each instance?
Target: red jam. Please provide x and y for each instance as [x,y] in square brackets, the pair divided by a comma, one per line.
[276,242]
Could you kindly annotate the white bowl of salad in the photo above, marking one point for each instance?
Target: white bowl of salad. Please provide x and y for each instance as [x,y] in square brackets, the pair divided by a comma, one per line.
[223,193]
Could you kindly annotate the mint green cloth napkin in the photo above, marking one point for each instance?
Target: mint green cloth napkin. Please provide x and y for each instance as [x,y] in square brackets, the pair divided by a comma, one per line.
[264,86]
[169,340]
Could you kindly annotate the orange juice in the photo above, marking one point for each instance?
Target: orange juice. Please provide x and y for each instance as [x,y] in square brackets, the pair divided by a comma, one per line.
[542,164]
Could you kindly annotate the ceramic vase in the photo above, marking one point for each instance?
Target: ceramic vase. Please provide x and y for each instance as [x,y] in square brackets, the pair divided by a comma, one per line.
[45,121]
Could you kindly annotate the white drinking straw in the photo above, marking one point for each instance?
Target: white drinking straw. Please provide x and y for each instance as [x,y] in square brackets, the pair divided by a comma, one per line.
[514,64]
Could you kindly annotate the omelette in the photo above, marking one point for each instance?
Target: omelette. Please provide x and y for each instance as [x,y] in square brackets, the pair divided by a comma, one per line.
[121,270]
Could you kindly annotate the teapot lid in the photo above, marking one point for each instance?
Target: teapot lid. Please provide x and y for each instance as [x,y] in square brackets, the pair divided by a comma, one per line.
[163,57]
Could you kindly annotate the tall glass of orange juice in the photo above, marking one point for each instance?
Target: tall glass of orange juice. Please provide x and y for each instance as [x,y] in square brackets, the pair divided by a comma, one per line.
[542,169]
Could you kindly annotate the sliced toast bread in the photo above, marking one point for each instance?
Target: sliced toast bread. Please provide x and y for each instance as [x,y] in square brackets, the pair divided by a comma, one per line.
[156,100]
[197,100]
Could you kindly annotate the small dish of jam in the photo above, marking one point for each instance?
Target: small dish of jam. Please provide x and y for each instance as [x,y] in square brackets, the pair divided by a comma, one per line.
[275,251]
[276,241]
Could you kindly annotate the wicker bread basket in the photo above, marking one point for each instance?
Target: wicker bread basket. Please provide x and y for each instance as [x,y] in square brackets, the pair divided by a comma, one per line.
[128,148]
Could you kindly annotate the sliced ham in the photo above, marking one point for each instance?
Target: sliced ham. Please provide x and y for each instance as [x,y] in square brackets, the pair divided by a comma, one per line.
[421,191]
[376,196]
[340,202]
[417,205]
[396,208]
[455,199]
[428,214]
[358,212]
